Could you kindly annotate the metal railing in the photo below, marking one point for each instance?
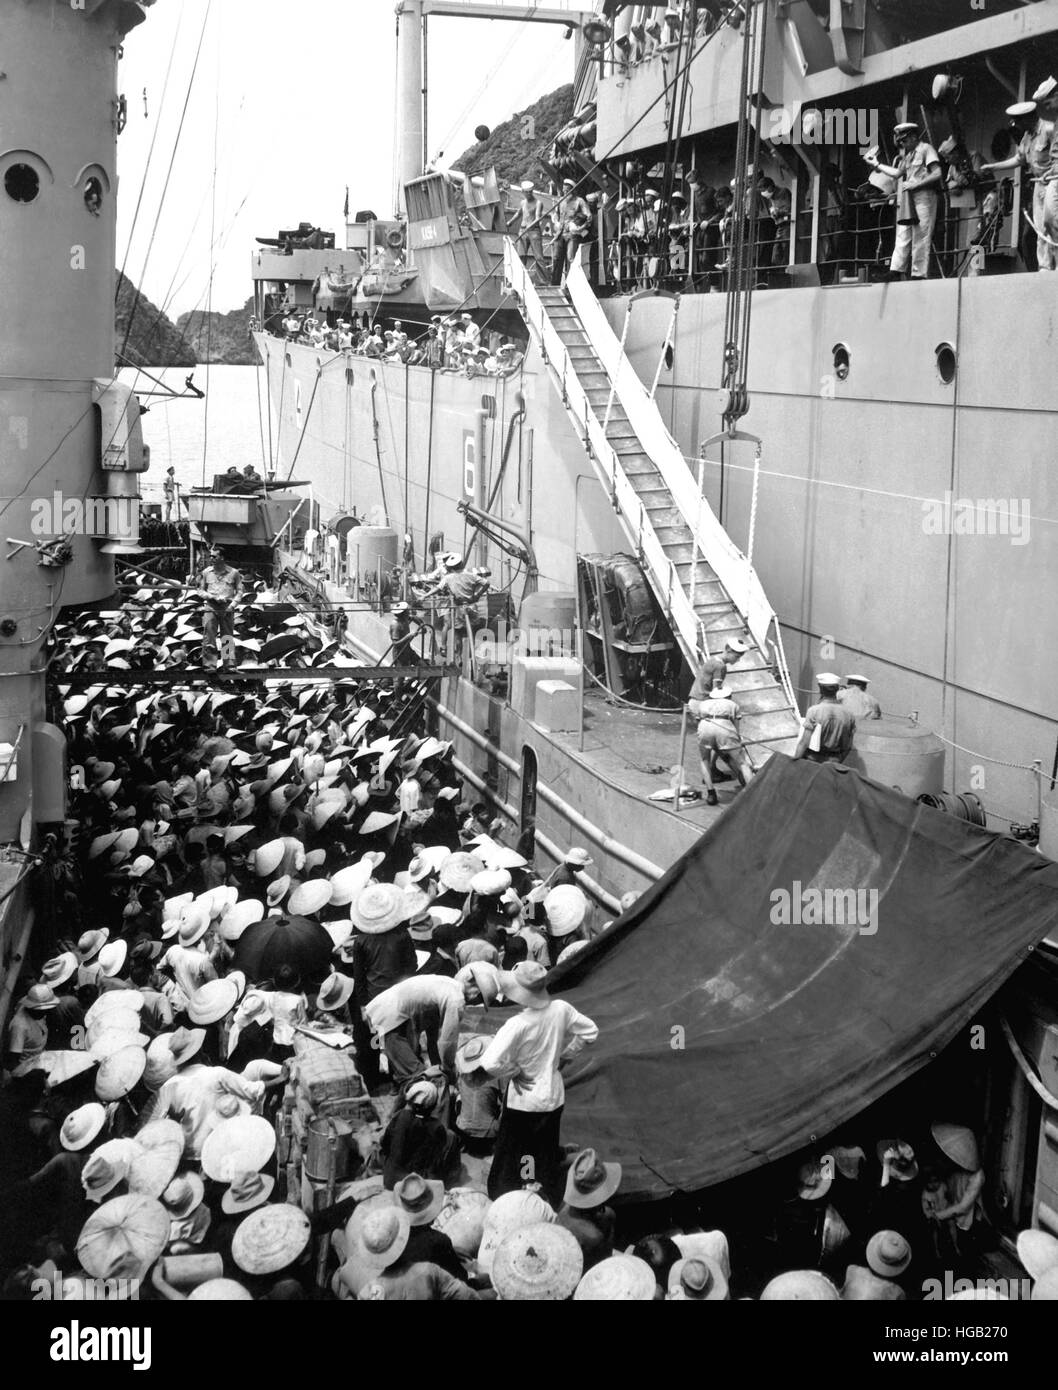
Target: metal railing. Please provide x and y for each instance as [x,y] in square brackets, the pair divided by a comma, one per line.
[729,564]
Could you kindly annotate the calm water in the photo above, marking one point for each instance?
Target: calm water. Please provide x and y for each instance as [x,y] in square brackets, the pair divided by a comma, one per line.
[176,430]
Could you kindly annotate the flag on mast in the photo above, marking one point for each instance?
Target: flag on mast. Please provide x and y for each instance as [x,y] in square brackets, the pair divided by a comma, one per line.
[346,210]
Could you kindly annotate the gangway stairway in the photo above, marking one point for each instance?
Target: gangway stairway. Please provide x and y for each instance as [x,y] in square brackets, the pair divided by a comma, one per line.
[705,585]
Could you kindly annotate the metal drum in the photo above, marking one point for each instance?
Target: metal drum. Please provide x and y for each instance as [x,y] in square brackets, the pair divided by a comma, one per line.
[373,555]
[328,1144]
[1049,825]
[900,755]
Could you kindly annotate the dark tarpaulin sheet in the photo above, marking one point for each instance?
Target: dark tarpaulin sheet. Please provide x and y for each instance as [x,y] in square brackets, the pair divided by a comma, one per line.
[726,1040]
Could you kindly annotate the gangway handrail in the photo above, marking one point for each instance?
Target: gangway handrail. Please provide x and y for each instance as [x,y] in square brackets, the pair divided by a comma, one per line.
[656,563]
[729,563]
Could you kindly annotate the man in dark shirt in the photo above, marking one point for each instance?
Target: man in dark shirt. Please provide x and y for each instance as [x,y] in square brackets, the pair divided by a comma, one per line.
[829,726]
[712,672]
[584,1212]
[422,1200]
[379,960]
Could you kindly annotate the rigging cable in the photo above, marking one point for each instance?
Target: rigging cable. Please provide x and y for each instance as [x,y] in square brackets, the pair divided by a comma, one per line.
[213,261]
[168,174]
[150,152]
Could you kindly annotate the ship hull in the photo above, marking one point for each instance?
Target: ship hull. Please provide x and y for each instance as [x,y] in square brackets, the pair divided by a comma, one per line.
[859,536]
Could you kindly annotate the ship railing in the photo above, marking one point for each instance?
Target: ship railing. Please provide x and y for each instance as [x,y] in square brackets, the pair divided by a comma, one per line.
[850,247]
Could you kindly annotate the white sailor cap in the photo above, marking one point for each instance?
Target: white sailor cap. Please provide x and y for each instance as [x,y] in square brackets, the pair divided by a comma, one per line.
[1021,108]
[826,680]
[1045,89]
[736,644]
[858,680]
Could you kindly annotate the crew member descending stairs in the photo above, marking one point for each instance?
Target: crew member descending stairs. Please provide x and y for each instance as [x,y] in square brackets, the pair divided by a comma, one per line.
[706,587]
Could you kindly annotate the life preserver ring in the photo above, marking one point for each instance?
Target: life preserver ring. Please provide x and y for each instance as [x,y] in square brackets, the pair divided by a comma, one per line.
[395,239]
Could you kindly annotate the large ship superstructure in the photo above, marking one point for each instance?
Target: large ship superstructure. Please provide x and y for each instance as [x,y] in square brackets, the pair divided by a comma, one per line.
[889,417]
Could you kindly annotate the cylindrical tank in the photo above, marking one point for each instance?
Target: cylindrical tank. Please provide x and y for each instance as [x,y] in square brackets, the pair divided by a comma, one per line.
[60,115]
[899,754]
[370,547]
[1049,825]
[548,620]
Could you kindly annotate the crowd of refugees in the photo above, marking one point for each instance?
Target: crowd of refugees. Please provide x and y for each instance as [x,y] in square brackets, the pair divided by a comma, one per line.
[247,877]
[451,343]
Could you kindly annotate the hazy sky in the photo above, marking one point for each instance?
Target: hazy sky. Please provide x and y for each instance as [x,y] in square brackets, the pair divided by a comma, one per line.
[297,100]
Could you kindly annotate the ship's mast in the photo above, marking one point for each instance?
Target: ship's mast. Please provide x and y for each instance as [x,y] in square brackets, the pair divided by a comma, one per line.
[411,95]
[411,53]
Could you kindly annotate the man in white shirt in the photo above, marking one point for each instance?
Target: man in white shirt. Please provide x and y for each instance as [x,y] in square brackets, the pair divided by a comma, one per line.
[426,1004]
[528,1053]
[190,966]
[191,1096]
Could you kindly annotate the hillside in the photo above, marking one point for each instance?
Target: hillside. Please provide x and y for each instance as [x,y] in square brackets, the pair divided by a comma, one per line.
[224,338]
[221,337]
[512,146]
[154,340]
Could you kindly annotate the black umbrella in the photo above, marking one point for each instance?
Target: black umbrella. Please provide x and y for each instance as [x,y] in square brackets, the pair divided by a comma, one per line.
[283,940]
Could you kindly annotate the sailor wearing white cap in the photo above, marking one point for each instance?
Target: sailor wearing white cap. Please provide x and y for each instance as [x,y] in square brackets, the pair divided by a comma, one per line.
[573,215]
[856,700]
[712,671]
[829,726]
[532,216]
[1036,126]
[1046,98]
[719,737]
[919,171]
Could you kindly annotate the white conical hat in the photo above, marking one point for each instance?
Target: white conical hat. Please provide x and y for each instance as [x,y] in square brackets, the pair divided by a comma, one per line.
[172,907]
[215,900]
[268,857]
[234,920]
[310,897]
[347,883]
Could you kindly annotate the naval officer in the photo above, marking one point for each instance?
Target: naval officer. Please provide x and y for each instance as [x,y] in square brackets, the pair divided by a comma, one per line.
[856,700]
[918,169]
[829,726]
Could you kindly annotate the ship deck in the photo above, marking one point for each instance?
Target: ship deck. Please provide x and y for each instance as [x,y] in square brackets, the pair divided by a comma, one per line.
[637,750]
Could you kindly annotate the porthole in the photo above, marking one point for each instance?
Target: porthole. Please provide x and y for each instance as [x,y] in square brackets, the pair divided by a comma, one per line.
[93,195]
[842,361]
[947,363]
[22,183]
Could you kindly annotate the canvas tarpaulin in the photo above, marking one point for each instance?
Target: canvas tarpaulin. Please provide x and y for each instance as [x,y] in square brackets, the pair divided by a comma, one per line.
[729,1039]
